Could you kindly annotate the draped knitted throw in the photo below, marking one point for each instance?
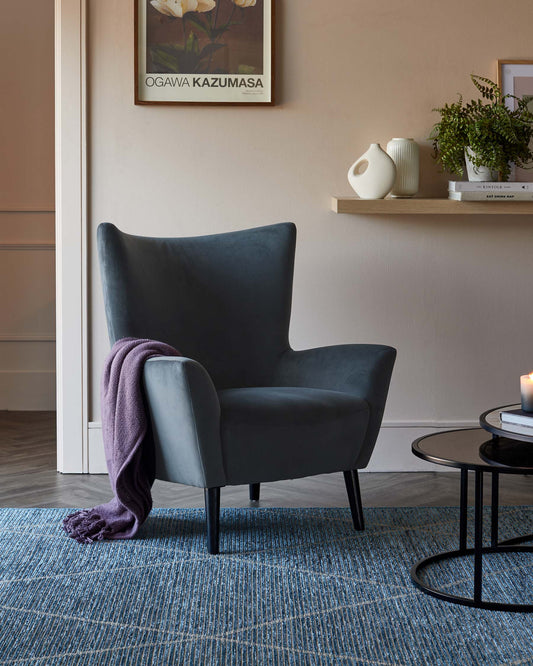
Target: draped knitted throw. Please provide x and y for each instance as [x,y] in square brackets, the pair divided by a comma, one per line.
[128,446]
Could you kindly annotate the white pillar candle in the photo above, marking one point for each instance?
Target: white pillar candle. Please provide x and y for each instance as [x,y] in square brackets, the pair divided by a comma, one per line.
[526,392]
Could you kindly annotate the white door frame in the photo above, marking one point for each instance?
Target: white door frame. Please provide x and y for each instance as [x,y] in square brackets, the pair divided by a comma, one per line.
[71,235]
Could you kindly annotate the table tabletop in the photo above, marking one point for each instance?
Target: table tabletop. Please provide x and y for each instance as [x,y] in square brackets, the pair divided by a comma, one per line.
[460,449]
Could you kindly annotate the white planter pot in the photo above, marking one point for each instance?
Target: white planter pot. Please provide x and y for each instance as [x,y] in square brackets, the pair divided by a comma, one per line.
[478,174]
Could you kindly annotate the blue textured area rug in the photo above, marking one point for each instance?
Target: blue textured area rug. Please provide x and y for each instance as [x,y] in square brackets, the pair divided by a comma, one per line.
[291,586]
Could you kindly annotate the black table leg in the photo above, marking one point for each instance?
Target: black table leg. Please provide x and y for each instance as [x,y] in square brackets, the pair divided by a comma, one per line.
[478,537]
[494,510]
[463,509]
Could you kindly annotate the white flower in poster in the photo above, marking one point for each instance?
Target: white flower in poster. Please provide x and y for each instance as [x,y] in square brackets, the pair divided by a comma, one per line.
[178,8]
[204,51]
[192,39]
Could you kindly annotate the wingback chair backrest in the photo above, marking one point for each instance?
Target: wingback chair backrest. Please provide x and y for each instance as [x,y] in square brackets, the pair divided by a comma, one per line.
[223,300]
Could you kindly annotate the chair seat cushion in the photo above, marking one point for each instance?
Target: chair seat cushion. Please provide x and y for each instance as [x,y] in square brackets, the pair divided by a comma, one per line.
[273,433]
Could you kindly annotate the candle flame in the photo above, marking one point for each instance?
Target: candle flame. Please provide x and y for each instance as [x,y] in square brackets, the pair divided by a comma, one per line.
[531,376]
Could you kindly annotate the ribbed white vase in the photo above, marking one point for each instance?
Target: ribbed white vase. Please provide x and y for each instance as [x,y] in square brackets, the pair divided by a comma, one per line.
[405,154]
[373,174]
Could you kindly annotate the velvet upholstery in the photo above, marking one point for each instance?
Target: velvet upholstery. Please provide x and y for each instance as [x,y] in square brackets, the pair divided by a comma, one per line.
[240,406]
[360,370]
[273,433]
[185,415]
[223,300]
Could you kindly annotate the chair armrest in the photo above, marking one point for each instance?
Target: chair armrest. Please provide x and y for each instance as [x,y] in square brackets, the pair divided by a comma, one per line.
[361,370]
[185,414]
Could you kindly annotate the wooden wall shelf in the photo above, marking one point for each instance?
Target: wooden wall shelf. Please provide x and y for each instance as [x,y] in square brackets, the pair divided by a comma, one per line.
[416,206]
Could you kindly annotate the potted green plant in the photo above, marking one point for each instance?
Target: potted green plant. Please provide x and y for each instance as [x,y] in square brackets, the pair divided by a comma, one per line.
[492,132]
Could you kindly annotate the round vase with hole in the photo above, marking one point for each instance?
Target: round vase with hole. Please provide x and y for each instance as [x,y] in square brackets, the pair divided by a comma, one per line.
[372,175]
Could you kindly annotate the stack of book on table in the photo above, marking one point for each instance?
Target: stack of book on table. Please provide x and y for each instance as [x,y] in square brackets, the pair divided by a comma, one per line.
[463,190]
[517,417]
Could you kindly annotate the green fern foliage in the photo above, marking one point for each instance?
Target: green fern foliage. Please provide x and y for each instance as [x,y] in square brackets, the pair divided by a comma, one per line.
[498,131]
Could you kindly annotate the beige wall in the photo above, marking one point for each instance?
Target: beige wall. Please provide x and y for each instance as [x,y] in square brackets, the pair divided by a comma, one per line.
[27,326]
[451,293]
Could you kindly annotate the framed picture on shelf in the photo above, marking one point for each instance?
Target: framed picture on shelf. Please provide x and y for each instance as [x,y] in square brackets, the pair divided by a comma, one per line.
[515,77]
[204,52]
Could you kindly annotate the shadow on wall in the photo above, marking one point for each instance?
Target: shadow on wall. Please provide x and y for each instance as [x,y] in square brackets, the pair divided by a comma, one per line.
[433,183]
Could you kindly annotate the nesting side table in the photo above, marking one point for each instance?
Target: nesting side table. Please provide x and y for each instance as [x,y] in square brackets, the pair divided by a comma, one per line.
[482,451]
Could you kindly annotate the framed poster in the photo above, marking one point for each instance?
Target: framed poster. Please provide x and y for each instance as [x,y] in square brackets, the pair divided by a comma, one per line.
[515,77]
[204,51]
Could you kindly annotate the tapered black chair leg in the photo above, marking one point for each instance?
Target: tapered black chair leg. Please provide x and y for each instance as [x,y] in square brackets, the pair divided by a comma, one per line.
[351,479]
[212,516]
[254,492]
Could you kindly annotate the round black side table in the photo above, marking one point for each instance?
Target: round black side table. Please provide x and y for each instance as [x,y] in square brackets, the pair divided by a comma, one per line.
[461,449]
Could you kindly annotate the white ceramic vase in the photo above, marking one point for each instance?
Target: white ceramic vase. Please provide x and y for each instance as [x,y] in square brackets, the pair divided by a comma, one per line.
[406,156]
[478,174]
[376,180]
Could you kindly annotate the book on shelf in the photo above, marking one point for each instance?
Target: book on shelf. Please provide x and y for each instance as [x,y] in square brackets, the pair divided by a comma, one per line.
[473,186]
[517,417]
[493,195]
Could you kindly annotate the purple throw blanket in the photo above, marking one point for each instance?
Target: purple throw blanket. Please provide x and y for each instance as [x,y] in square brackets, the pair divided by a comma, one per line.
[128,446]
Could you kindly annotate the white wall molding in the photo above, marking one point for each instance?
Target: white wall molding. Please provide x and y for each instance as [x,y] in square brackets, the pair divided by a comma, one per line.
[28,337]
[439,425]
[20,208]
[446,425]
[27,246]
[96,454]
[71,234]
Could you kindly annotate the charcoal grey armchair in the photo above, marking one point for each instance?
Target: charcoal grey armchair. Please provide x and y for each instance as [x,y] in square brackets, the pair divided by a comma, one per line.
[240,406]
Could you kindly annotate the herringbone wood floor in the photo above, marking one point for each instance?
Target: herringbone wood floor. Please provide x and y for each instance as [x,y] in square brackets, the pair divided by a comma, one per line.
[28,478]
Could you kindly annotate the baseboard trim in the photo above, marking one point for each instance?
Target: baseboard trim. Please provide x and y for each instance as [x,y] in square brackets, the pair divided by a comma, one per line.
[96,455]
[27,391]
[392,452]
[447,425]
